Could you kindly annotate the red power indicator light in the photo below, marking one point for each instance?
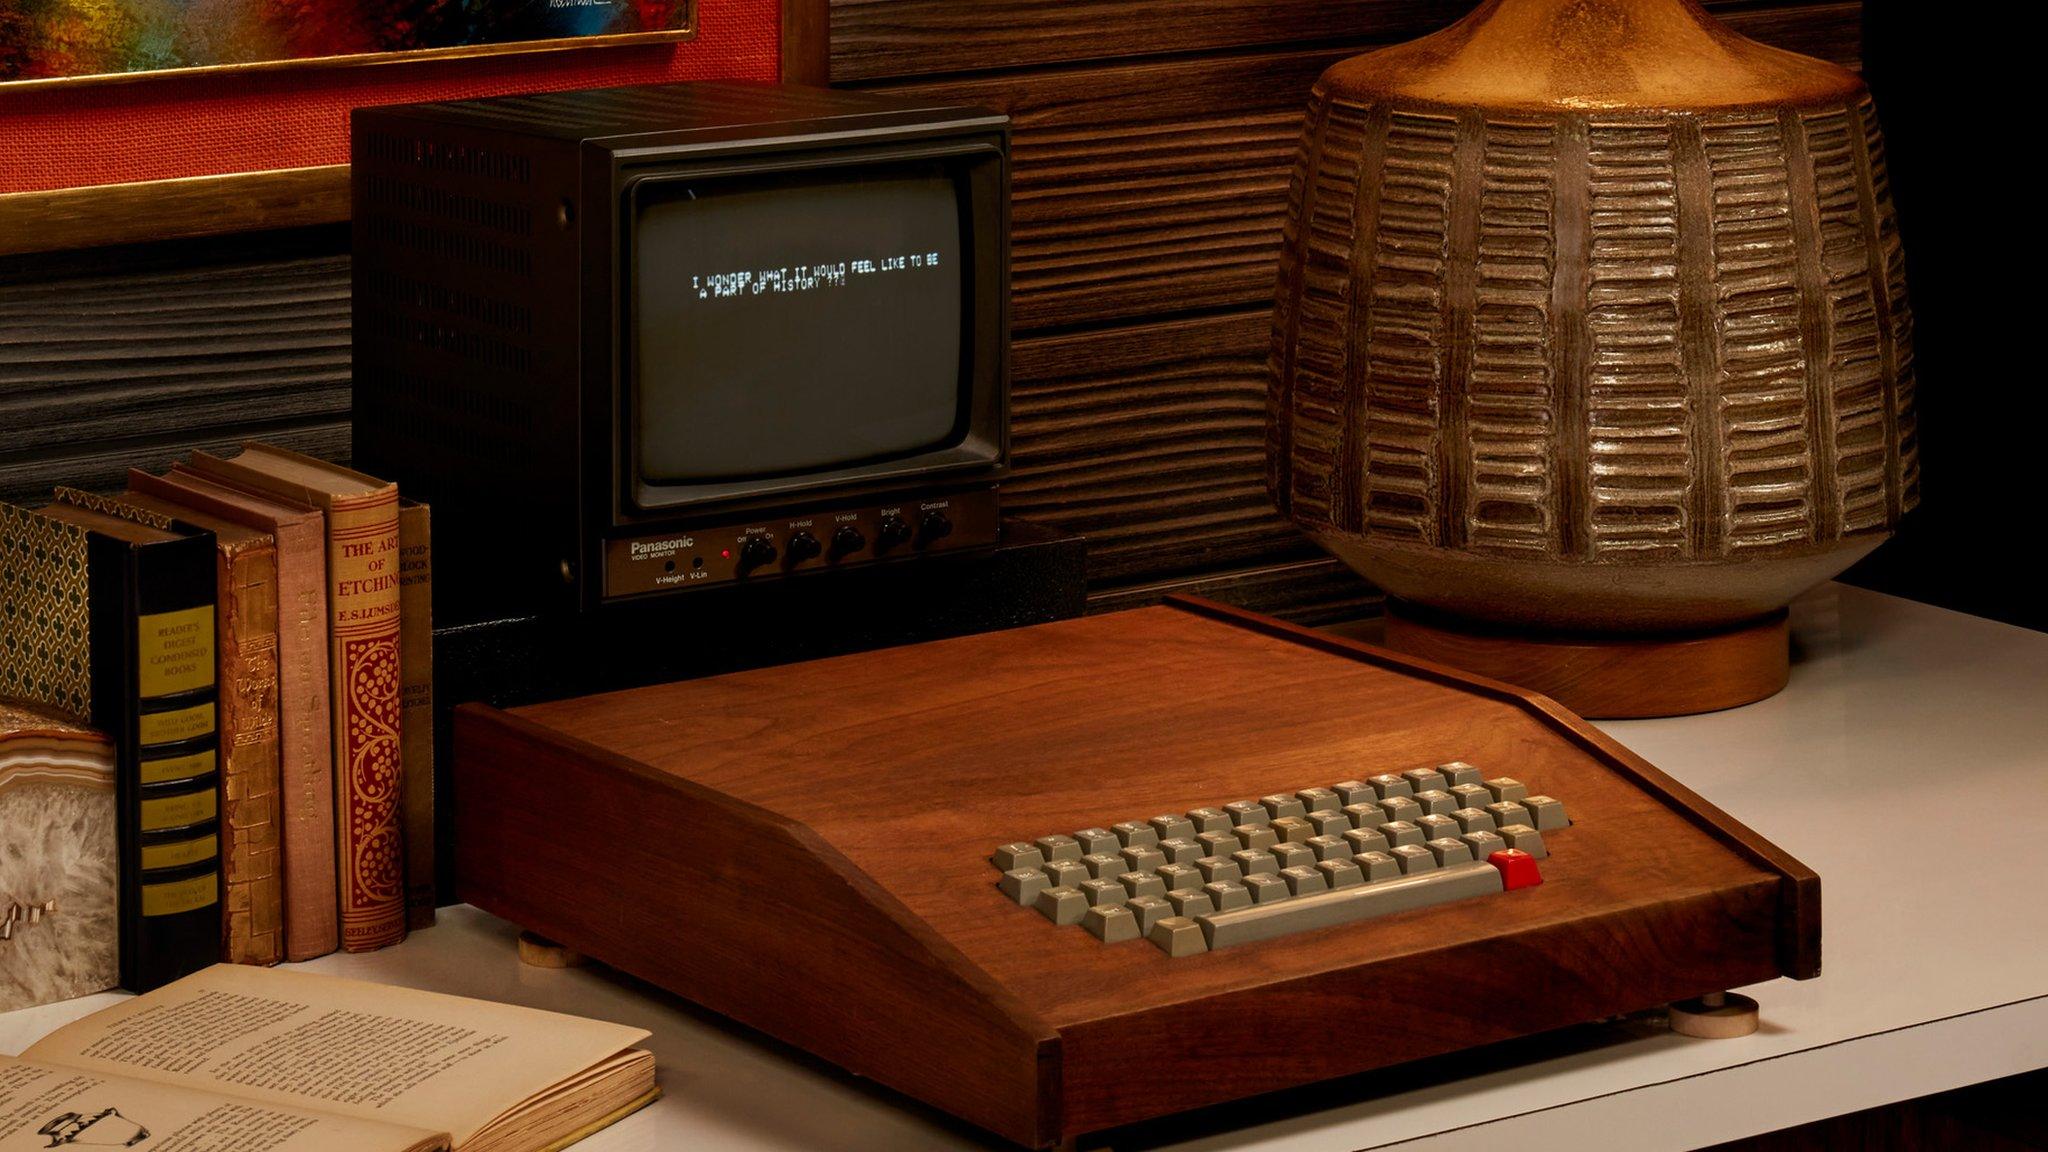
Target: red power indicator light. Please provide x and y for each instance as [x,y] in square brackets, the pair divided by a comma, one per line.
[725,553]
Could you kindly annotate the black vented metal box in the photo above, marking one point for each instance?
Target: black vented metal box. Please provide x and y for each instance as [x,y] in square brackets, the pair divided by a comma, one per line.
[492,240]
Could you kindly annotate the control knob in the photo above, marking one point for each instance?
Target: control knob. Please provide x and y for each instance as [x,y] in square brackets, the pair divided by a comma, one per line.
[847,541]
[934,527]
[801,547]
[895,530]
[754,552]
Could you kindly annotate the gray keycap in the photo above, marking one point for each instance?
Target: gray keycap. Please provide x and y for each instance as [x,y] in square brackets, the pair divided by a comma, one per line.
[1366,815]
[1138,884]
[1110,923]
[1065,873]
[1330,848]
[1148,910]
[1413,858]
[1507,788]
[1437,827]
[1214,868]
[1143,859]
[1209,820]
[1547,814]
[1266,888]
[1473,820]
[1281,804]
[1318,799]
[1022,854]
[1484,844]
[1178,936]
[1449,851]
[1399,832]
[1506,812]
[1425,779]
[1401,808]
[1292,829]
[1243,812]
[1304,880]
[1180,876]
[1458,773]
[1221,843]
[1059,848]
[1097,841]
[1292,855]
[1191,902]
[1366,840]
[1377,866]
[1339,873]
[1171,827]
[1256,836]
[1100,892]
[1346,905]
[1388,785]
[1436,802]
[1525,838]
[1062,905]
[1136,834]
[1255,861]
[1102,865]
[1181,850]
[1023,885]
[1471,795]
[1330,823]
[1354,792]
[1227,894]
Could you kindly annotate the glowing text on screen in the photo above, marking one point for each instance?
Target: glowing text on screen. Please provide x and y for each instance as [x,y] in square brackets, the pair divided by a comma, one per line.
[804,277]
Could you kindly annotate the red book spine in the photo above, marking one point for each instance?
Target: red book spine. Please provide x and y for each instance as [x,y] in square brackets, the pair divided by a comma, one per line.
[363,570]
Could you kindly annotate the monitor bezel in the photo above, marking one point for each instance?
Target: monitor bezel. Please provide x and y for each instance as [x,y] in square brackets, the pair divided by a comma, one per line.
[979,172]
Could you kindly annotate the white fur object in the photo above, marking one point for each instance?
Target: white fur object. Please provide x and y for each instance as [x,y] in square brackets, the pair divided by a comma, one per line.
[57,841]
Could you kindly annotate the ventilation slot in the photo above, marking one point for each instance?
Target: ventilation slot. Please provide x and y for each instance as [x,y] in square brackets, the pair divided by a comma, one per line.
[436,156]
[442,244]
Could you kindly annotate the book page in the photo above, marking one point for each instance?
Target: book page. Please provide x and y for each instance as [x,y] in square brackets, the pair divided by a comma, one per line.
[424,1060]
[45,1106]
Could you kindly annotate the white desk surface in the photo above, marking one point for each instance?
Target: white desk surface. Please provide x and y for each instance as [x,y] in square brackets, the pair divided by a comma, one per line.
[1907,763]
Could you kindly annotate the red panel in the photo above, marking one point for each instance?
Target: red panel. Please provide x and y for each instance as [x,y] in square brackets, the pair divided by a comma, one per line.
[156,129]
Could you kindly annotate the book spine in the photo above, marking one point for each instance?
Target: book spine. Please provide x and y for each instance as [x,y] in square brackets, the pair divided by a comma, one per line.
[154,651]
[312,902]
[363,596]
[416,661]
[252,876]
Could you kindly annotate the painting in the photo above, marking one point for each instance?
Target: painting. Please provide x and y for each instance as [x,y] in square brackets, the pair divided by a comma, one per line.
[50,41]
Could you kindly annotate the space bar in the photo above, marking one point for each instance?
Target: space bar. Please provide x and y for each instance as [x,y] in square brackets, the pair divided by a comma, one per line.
[1343,905]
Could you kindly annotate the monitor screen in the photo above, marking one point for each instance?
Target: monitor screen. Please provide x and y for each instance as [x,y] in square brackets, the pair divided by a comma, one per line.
[795,324]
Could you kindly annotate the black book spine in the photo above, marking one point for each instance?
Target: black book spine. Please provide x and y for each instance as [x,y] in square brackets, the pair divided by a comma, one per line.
[154,667]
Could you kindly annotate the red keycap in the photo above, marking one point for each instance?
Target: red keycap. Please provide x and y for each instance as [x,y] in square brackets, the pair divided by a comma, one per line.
[1517,868]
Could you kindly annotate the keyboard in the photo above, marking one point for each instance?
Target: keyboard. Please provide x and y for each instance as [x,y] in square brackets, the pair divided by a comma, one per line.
[1253,870]
[1070,877]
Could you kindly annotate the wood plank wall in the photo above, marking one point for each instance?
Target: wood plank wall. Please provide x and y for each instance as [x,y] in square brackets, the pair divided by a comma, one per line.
[1151,152]
[1152,142]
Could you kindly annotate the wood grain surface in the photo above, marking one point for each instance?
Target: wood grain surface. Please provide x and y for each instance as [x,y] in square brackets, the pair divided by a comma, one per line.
[871,789]
[880,39]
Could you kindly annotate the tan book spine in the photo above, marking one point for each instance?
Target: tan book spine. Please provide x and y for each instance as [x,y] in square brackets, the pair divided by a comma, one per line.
[252,879]
[312,924]
[363,594]
[416,660]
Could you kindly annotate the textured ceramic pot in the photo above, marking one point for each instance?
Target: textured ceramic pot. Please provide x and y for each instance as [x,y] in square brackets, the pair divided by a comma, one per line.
[1592,317]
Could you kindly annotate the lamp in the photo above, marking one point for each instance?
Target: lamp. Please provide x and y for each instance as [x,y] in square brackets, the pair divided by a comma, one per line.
[1591,346]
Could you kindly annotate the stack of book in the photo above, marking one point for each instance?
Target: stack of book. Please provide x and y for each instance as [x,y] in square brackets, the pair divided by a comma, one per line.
[252,633]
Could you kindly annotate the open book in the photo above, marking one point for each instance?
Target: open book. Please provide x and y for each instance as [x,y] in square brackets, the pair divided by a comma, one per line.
[241,1059]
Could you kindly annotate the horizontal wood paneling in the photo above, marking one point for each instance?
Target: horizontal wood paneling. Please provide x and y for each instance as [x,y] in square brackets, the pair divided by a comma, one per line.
[1150,441]
[1151,188]
[1311,591]
[881,39]
[1147,189]
[103,369]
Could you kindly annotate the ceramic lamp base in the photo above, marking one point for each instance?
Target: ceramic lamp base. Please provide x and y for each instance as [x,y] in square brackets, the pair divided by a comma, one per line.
[1609,677]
